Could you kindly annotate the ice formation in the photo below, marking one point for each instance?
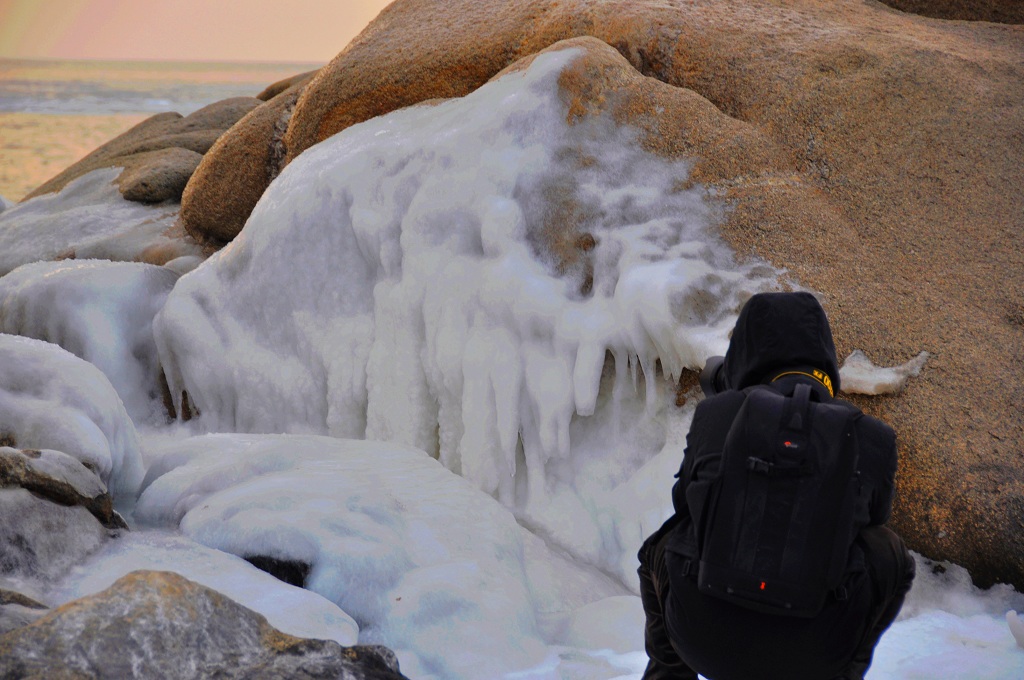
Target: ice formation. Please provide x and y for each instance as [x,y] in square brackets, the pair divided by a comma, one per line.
[395,283]
[423,561]
[100,311]
[1016,625]
[858,375]
[51,399]
[88,218]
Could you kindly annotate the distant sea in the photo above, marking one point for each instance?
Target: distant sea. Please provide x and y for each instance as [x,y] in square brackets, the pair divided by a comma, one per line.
[54,112]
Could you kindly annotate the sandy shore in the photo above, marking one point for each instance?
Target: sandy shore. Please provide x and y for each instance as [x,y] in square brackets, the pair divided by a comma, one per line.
[34,147]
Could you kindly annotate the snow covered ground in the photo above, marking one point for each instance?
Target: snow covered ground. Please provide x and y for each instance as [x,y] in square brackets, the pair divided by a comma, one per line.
[476,436]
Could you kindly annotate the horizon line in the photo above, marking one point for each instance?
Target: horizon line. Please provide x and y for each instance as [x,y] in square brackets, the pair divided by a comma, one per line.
[145,60]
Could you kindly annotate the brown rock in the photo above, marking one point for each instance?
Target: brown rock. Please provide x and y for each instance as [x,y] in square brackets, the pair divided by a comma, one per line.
[155,176]
[280,86]
[195,132]
[153,624]
[895,192]
[237,170]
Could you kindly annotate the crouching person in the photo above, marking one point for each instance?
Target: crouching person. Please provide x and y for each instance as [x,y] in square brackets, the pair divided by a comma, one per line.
[777,563]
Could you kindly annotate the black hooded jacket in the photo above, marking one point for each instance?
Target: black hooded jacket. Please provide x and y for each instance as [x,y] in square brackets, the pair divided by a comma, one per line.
[780,339]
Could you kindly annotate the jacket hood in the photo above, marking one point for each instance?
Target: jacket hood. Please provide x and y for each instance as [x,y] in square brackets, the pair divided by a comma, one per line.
[776,331]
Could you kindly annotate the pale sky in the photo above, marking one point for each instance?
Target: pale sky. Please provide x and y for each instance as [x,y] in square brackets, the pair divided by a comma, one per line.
[193,30]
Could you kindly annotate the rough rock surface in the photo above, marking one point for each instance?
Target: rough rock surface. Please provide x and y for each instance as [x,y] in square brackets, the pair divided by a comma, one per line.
[237,170]
[60,479]
[907,133]
[42,540]
[195,132]
[16,615]
[280,86]
[17,609]
[152,624]
[156,176]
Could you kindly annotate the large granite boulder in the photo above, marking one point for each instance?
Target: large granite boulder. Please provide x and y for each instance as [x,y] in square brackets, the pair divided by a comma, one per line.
[153,624]
[239,167]
[894,190]
[145,150]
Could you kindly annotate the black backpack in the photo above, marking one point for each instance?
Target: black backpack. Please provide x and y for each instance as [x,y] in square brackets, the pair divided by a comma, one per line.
[778,521]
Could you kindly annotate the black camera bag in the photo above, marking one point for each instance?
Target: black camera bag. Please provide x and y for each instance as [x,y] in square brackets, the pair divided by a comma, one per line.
[778,521]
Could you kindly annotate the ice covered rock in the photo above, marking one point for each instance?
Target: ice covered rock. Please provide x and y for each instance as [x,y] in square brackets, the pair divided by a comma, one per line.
[41,540]
[89,218]
[525,328]
[51,399]
[133,149]
[290,609]
[16,608]
[58,478]
[100,311]
[886,196]
[152,624]
[17,615]
[426,563]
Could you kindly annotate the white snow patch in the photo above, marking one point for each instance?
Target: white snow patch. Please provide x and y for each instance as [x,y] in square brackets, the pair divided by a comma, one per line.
[51,399]
[424,562]
[858,375]
[100,311]
[88,218]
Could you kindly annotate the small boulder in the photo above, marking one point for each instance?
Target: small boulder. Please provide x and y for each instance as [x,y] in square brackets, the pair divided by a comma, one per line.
[15,616]
[280,86]
[155,176]
[58,478]
[153,624]
[41,540]
[17,610]
[195,132]
[51,399]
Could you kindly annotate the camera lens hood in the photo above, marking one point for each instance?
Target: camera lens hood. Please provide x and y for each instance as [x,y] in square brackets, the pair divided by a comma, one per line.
[712,378]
